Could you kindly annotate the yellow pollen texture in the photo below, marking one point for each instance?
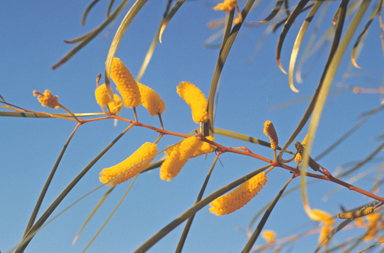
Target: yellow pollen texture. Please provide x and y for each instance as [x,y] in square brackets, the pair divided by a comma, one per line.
[204,147]
[125,83]
[270,131]
[195,99]
[178,157]
[47,99]
[101,94]
[239,197]
[115,106]
[146,151]
[226,6]
[151,100]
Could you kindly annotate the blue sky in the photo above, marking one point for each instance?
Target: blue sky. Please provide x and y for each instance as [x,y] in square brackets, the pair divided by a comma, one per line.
[32,34]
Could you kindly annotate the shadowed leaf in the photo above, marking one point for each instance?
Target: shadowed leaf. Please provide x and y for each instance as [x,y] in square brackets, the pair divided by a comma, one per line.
[87,10]
[92,35]
[299,7]
[275,10]
[298,41]
[363,32]
[151,49]
[170,15]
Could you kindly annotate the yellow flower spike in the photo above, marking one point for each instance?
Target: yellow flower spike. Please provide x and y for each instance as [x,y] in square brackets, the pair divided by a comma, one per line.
[151,100]
[269,236]
[239,197]
[146,151]
[325,230]
[359,222]
[195,99]
[101,94]
[299,156]
[226,6]
[125,83]
[323,217]
[178,158]
[356,214]
[204,147]
[116,105]
[373,225]
[326,223]
[47,99]
[102,99]
[270,131]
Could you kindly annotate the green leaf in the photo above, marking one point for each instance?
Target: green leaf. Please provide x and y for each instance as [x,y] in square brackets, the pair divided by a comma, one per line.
[48,182]
[151,49]
[188,224]
[39,223]
[275,10]
[110,216]
[195,208]
[299,7]
[363,32]
[170,15]
[42,115]
[92,35]
[224,51]
[328,78]
[101,201]
[298,41]
[87,10]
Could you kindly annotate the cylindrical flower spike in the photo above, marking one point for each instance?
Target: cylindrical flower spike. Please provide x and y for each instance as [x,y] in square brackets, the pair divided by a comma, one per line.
[373,225]
[151,100]
[47,99]
[125,83]
[239,197]
[270,131]
[204,147]
[126,168]
[102,99]
[299,155]
[101,94]
[356,214]
[178,157]
[325,230]
[195,99]
[326,223]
